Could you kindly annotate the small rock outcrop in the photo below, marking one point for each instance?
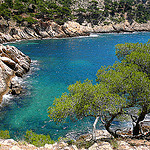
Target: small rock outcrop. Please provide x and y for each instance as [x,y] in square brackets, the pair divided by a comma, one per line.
[12,63]
[122,27]
[75,29]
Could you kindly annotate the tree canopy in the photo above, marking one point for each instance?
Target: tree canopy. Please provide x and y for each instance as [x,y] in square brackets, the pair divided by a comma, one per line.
[120,88]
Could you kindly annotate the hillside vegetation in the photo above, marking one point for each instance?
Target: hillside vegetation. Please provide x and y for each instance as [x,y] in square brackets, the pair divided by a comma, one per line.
[28,12]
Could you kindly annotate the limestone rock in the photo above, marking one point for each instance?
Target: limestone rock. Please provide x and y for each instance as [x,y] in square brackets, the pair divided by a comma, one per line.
[102,134]
[49,29]
[55,30]
[9,62]
[23,35]
[124,145]
[141,27]
[48,146]
[15,87]
[7,37]
[8,142]
[119,27]
[4,27]
[75,29]
[105,146]
[74,147]
[93,147]
[103,29]
[15,148]
[31,32]
[12,62]
[43,34]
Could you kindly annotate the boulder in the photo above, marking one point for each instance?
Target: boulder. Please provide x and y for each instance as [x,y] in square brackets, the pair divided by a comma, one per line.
[75,29]
[15,87]
[43,34]
[10,63]
[55,30]
[23,61]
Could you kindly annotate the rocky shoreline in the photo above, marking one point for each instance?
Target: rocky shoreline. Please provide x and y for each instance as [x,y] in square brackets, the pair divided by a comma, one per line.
[9,32]
[103,142]
[12,63]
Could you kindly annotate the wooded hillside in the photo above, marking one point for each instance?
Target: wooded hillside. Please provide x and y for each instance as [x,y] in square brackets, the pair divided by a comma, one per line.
[28,12]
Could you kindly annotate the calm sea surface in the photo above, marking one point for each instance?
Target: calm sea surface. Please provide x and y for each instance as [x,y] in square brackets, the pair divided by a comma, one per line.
[57,63]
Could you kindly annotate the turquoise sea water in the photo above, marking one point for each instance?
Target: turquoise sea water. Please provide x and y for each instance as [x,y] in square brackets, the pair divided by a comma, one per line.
[57,63]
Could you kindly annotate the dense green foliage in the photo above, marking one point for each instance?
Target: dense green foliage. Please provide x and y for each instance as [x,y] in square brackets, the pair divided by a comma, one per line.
[116,11]
[120,89]
[4,134]
[61,11]
[84,99]
[134,10]
[37,9]
[130,78]
[37,139]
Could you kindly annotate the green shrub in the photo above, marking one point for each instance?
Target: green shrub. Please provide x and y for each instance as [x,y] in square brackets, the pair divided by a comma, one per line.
[106,23]
[30,20]
[81,10]
[6,13]
[114,143]
[37,139]
[4,134]
[18,18]
[9,2]
[20,7]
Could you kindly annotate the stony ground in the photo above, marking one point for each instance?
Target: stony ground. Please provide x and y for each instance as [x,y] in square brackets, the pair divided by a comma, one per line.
[104,142]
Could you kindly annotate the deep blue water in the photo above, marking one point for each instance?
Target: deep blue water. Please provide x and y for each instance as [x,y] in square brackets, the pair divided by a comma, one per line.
[56,64]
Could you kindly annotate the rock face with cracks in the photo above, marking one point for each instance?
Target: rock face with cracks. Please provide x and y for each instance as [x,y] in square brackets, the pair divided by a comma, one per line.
[12,63]
[51,29]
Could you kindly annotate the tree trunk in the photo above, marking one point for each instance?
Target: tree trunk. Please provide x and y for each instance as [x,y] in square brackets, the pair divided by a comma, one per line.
[113,133]
[137,128]
[94,129]
[108,124]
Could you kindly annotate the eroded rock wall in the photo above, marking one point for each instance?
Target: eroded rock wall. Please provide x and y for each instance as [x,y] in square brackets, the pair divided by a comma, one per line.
[12,63]
[42,30]
[51,29]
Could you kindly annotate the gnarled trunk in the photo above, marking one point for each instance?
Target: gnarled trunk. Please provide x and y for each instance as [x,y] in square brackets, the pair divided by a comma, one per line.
[107,127]
[137,128]
[107,124]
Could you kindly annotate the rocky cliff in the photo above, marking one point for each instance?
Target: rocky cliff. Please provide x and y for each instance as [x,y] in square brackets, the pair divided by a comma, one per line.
[42,30]
[12,63]
[50,29]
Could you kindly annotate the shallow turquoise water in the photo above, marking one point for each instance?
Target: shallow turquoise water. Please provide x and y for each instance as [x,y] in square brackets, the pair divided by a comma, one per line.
[56,64]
